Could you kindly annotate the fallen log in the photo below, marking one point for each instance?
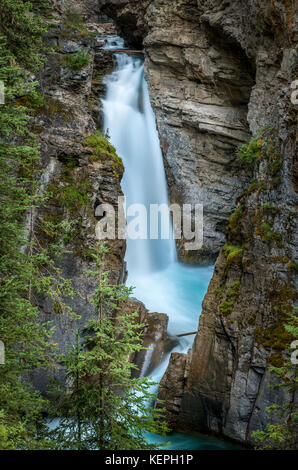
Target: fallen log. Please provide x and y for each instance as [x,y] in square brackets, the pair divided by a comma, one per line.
[125,51]
[187,334]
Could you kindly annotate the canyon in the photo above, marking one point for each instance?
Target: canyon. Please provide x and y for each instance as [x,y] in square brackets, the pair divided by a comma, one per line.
[219,72]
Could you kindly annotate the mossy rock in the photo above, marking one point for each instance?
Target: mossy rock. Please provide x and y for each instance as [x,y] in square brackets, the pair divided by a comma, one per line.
[53,108]
[233,253]
[235,219]
[103,150]
[261,148]
[275,338]
[227,306]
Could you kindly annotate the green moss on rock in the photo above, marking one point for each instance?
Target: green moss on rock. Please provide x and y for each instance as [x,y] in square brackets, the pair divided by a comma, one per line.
[235,219]
[71,196]
[227,306]
[103,150]
[261,148]
[233,253]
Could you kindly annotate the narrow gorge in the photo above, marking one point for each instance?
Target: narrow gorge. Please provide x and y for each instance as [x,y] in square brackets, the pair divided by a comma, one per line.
[219,72]
[182,102]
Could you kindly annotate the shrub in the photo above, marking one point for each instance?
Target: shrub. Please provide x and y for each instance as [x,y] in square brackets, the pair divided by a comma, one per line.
[267,234]
[250,151]
[77,61]
[74,19]
[72,195]
[261,148]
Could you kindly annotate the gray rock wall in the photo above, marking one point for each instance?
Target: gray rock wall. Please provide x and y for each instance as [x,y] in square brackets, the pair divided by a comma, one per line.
[219,71]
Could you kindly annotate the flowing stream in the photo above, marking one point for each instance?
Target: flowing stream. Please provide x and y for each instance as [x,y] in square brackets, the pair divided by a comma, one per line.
[161,282]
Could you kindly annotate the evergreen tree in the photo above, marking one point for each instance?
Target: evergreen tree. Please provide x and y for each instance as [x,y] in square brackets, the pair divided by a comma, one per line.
[284,436]
[103,407]
[25,269]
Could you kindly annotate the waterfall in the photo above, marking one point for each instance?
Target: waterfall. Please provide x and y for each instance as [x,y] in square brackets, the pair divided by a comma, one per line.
[160,281]
[163,283]
[130,122]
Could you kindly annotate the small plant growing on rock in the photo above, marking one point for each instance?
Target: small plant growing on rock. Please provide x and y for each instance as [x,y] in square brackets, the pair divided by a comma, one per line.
[233,253]
[262,148]
[250,151]
[77,61]
[282,432]
[235,219]
[73,19]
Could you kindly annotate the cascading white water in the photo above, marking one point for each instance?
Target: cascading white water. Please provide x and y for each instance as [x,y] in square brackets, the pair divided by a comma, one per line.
[129,120]
[160,281]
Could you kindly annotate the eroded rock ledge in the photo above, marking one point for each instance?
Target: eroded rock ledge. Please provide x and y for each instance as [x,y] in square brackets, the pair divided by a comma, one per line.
[208,63]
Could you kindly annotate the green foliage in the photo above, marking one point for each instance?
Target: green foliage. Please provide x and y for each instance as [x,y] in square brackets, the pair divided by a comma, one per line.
[26,269]
[227,306]
[69,161]
[264,219]
[74,197]
[293,267]
[235,219]
[74,19]
[23,31]
[52,108]
[70,193]
[104,150]
[269,209]
[275,338]
[31,101]
[103,407]
[77,60]
[267,234]
[282,434]
[262,148]
[250,151]
[233,253]
[219,291]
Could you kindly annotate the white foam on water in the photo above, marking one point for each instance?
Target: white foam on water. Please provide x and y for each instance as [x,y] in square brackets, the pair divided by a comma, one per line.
[163,283]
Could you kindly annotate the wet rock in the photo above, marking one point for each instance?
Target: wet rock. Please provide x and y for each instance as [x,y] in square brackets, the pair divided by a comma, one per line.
[157,342]
[218,71]
[172,387]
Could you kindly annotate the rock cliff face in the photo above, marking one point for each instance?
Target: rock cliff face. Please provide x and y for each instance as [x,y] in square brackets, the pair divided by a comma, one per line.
[74,180]
[78,177]
[217,72]
[200,81]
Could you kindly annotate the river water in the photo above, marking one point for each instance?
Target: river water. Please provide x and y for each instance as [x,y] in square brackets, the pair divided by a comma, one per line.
[160,281]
